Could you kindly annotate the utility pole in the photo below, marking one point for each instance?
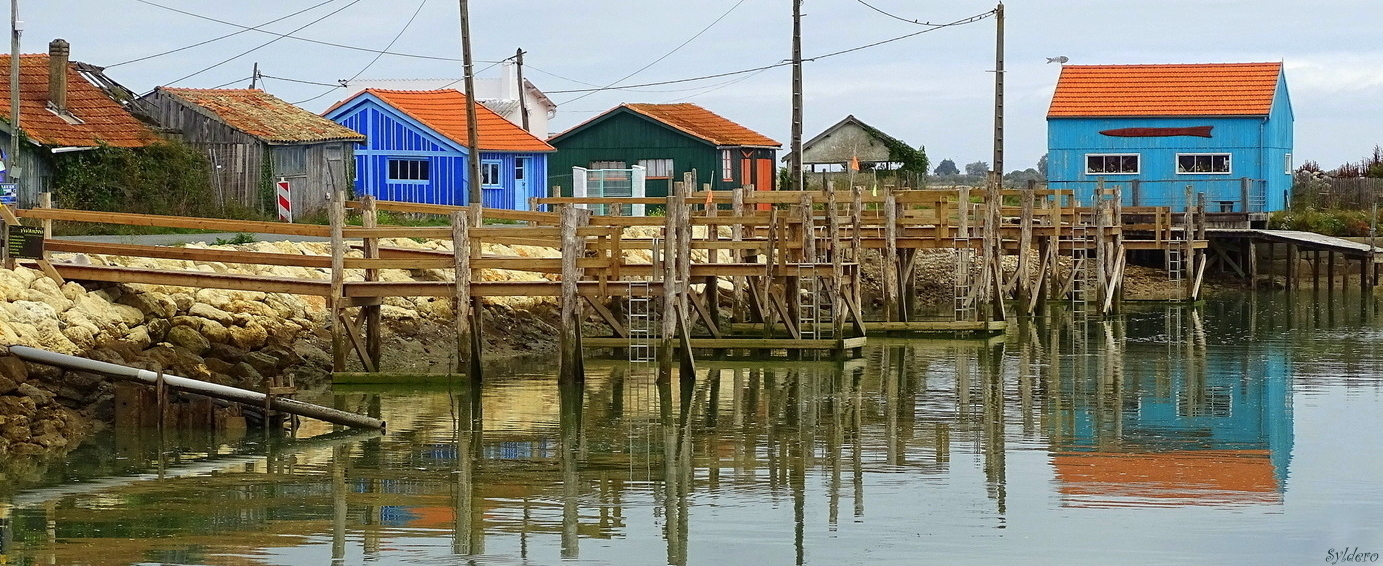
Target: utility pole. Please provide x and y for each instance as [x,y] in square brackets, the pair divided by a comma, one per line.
[998,170]
[523,95]
[12,171]
[254,76]
[795,165]
[472,129]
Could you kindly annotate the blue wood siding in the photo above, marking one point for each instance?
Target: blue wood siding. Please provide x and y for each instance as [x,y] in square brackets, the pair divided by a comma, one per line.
[1258,147]
[392,135]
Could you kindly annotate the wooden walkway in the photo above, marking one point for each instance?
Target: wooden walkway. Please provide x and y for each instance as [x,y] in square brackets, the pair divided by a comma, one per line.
[733,271]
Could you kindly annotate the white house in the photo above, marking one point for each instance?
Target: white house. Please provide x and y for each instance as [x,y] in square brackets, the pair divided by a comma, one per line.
[498,94]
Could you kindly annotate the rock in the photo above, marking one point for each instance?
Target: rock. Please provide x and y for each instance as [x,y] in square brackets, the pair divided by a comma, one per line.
[312,355]
[227,352]
[211,313]
[14,369]
[183,301]
[187,337]
[138,338]
[155,304]
[218,366]
[54,299]
[72,290]
[255,308]
[247,372]
[127,314]
[40,396]
[7,385]
[250,337]
[158,329]
[264,363]
[215,332]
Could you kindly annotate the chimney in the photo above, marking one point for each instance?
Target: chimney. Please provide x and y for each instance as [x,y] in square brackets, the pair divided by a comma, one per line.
[58,51]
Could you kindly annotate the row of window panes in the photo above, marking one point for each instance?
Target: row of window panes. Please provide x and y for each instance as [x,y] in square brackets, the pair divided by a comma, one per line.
[420,170]
[1128,163]
[653,168]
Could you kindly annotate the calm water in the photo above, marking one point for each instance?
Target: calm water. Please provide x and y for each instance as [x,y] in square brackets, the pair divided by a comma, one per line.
[1246,431]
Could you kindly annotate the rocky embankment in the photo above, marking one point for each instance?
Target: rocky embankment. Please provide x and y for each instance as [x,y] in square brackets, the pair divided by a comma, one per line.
[229,337]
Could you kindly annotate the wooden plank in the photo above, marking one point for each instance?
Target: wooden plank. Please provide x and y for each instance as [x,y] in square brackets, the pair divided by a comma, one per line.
[212,224]
[745,343]
[195,279]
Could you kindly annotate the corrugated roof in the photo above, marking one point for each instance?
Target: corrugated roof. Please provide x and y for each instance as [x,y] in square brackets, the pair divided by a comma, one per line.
[1212,89]
[103,121]
[445,112]
[265,116]
[703,124]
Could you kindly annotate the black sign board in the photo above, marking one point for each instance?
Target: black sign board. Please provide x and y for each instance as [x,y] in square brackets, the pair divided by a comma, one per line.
[25,242]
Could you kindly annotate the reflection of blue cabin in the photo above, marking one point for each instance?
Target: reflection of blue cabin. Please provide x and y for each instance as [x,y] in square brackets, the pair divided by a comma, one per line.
[416,150]
[1223,129]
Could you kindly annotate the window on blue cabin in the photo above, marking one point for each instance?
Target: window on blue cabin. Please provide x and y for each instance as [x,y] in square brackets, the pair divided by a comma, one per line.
[1214,163]
[1287,164]
[1111,164]
[489,173]
[409,170]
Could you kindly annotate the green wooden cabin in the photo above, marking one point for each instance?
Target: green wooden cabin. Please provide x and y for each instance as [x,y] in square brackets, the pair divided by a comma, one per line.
[667,140]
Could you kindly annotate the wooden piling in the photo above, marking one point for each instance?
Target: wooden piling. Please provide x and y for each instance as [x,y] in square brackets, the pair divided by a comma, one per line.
[465,309]
[892,310]
[337,215]
[572,367]
[369,218]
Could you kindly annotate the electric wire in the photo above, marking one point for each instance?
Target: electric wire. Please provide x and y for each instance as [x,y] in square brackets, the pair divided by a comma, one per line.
[896,17]
[963,21]
[290,35]
[668,54]
[367,66]
[265,44]
[214,39]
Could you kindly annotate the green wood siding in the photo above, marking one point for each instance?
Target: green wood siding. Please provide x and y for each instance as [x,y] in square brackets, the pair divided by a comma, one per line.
[623,135]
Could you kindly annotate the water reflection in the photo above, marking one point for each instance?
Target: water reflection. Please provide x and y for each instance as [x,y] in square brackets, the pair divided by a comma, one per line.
[800,461]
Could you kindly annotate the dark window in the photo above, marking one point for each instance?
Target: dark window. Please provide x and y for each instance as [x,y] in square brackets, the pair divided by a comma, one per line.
[1111,164]
[1203,163]
[489,173]
[290,161]
[408,170]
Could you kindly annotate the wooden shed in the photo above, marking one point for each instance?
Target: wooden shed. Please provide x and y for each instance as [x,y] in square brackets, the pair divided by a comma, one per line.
[254,140]
[667,140]
[1223,129]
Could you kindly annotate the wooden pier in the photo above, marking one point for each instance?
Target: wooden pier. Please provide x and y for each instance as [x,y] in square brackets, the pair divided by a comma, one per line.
[723,273]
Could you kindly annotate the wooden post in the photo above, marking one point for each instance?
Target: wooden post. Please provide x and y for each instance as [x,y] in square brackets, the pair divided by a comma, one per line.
[670,296]
[837,287]
[1291,266]
[892,310]
[1136,187]
[1329,270]
[572,368]
[712,291]
[1252,256]
[1024,281]
[739,284]
[687,367]
[369,219]
[466,311]
[337,301]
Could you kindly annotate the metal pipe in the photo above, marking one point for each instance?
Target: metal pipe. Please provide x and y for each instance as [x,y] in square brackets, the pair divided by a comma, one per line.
[243,396]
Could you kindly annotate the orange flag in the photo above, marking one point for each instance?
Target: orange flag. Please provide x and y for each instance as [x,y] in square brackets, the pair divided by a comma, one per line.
[854,163]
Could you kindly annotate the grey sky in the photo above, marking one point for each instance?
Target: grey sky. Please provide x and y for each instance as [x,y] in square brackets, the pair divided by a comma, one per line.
[933,89]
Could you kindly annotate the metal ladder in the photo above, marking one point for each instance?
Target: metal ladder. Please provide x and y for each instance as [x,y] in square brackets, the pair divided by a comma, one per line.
[639,320]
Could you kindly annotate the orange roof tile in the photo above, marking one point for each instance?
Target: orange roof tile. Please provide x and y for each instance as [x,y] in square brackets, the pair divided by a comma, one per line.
[703,124]
[265,116]
[445,112]
[103,120]
[1214,89]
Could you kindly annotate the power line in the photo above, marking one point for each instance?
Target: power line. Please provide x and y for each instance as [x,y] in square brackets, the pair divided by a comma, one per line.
[899,18]
[290,35]
[377,55]
[666,55]
[214,39]
[969,20]
[299,81]
[265,44]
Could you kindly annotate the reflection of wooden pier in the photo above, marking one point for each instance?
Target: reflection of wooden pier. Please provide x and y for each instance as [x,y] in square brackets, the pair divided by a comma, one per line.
[728,272]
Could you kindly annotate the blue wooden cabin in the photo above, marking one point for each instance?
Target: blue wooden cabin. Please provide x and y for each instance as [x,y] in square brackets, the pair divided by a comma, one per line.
[416,150]
[1225,130]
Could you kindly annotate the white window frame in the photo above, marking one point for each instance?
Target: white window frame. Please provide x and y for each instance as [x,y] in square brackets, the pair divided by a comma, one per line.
[727,165]
[1287,163]
[1229,162]
[658,168]
[1136,156]
[410,170]
[490,173]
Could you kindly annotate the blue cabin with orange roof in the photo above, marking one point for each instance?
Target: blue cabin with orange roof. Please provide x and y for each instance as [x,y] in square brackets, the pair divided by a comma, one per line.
[416,150]
[1162,131]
